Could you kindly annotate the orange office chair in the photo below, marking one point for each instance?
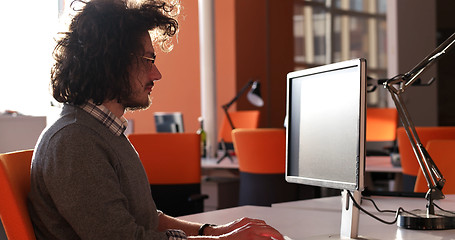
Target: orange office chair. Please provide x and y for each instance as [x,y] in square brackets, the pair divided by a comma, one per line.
[172,162]
[261,154]
[407,157]
[443,154]
[240,119]
[14,187]
[382,126]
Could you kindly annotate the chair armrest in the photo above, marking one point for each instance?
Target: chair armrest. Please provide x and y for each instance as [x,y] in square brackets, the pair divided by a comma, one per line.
[197,197]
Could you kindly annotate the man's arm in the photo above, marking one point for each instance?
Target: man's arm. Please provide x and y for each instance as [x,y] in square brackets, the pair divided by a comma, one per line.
[168,222]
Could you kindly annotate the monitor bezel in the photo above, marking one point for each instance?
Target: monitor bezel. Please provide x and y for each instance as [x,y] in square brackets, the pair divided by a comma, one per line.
[358,185]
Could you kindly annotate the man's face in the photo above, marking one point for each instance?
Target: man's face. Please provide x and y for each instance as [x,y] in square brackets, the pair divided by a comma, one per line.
[143,73]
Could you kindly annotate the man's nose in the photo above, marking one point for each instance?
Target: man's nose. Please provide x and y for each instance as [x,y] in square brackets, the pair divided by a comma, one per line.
[155,73]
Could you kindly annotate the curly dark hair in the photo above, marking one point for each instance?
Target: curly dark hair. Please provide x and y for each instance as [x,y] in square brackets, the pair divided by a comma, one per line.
[93,57]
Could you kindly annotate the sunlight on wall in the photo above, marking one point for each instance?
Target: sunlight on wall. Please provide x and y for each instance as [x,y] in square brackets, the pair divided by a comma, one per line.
[28,28]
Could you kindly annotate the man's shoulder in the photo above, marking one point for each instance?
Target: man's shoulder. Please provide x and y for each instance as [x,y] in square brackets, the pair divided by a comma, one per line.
[74,125]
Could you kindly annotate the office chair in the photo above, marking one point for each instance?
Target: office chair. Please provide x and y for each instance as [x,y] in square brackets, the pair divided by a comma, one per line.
[407,157]
[172,162]
[261,154]
[443,154]
[14,187]
[382,126]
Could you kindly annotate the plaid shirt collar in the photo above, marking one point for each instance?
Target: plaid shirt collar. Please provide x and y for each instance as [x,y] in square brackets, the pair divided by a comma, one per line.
[106,117]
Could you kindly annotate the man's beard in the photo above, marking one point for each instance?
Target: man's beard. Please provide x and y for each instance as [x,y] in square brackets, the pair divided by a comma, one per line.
[131,104]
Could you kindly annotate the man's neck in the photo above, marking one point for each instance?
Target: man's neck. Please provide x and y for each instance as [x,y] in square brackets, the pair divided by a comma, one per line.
[116,108]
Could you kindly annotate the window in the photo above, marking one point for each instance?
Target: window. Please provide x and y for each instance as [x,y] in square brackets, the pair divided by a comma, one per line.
[328,31]
[28,27]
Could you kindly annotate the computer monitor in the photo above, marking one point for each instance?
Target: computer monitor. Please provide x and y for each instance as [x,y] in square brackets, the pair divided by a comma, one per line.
[169,122]
[325,134]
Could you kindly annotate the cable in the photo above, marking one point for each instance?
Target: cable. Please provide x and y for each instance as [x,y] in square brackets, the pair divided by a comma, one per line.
[447,211]
[397,212]
[400,210]
[375,206]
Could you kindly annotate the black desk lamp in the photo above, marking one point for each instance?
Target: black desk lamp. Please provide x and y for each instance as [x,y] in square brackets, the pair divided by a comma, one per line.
[253,96]
[419,219]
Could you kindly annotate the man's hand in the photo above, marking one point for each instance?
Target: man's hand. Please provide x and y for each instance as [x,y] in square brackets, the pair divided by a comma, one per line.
[245,228]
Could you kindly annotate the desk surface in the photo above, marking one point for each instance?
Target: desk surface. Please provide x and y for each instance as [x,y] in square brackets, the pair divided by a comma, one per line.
[320,218]
[380,164]
[211,163]
[373,164]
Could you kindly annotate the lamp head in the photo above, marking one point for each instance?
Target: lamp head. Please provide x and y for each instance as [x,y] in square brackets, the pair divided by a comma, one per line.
[254,95]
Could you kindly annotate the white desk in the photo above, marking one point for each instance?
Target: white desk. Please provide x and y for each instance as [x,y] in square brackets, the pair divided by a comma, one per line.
[312,219]
[381,164]
[226,168]
[211,163]
[220,182]
[372,164]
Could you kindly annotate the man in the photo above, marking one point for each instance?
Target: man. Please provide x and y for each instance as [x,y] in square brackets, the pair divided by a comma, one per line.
[87,181]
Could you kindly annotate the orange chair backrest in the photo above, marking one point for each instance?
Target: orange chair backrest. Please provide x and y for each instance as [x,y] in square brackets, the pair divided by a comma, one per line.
[407,157]
[240,119]
[382,124]
[443,154]
[261,151]
[169,158]
[14,188]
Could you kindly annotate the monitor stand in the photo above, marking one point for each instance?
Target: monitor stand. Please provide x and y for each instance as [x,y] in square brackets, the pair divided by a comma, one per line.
[349,215]
[349,218]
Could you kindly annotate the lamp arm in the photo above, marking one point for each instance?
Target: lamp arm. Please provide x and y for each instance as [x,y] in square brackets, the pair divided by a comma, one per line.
[244,88]
[225,108]
[411,76]
[433,176]
[227,105]
[429,169]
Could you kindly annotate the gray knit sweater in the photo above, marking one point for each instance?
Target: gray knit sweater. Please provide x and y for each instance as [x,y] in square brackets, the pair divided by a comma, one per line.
[87,183]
